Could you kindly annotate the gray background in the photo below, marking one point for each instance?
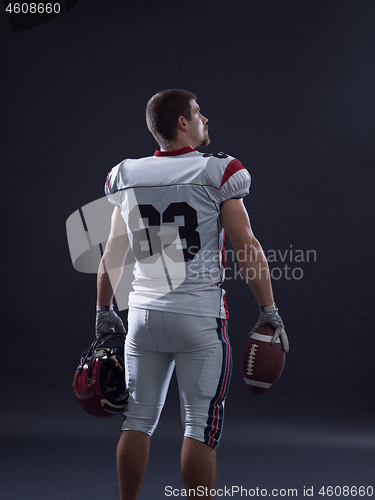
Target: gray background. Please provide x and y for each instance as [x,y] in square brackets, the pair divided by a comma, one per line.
[288,87]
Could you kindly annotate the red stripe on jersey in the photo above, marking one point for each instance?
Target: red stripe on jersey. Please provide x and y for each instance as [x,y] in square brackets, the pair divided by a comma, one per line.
[226,309]
[223,257]
[231,169]
[223,261]
[176,152]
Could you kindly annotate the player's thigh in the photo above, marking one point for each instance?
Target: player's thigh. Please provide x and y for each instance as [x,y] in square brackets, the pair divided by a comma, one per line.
[203,377]
[147,374]
[147,371]
[203,371]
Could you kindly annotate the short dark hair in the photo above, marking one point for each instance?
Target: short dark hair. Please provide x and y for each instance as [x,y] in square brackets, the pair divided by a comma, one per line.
[163,110]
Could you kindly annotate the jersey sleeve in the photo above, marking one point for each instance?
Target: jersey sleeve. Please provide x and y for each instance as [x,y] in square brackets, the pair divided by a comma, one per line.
[228,178]
[235,182]
[111,188]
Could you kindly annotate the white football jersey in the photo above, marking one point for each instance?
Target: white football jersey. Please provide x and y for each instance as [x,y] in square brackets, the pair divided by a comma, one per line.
[170,203]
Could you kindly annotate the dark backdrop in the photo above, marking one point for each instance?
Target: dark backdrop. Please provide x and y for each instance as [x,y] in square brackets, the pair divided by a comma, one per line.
[288,88]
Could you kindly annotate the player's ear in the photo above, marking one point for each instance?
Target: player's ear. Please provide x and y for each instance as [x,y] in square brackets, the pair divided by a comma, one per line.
[181,123]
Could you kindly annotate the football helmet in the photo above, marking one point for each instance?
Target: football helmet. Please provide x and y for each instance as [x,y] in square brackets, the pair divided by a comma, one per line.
[99,380]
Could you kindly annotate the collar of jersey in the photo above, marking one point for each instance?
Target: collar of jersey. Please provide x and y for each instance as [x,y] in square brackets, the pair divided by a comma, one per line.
[176,152]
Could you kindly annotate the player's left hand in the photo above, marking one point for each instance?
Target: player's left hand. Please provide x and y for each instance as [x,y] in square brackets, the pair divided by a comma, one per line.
[270,315]
[107,321]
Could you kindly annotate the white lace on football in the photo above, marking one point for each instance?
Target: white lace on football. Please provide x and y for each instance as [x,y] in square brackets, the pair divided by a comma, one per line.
[251,359]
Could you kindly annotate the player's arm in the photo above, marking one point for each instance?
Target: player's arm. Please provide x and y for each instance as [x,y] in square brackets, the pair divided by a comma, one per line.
[249,253]
[253,264]
[112,262]
[109,274]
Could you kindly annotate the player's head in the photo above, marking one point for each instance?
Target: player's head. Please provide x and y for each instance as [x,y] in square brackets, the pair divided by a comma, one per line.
[168,108]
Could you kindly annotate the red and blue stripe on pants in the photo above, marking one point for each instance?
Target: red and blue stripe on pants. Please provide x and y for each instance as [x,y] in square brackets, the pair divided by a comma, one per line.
[215,419]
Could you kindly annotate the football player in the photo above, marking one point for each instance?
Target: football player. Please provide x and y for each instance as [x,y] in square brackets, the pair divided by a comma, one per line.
[173,210]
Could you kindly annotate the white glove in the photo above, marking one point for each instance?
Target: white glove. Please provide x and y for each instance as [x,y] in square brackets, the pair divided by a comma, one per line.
[107,321]
[270,315]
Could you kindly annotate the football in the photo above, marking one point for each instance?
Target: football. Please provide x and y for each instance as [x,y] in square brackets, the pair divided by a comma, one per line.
[262,363]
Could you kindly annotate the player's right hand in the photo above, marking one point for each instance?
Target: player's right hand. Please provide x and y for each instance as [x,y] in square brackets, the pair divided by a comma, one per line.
[107,321]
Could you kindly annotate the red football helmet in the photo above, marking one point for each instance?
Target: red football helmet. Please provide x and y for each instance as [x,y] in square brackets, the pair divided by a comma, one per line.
[99,381]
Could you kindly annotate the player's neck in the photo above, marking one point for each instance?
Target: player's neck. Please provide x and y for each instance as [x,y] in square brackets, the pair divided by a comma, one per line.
[178,144]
